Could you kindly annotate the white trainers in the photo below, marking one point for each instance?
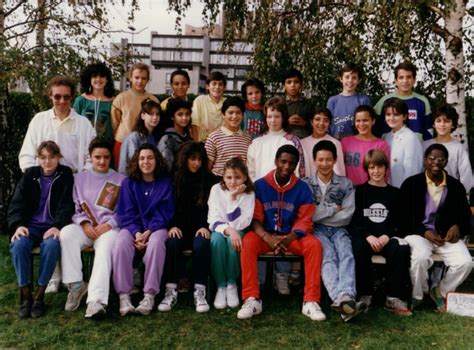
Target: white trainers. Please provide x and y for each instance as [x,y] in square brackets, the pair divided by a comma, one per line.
[53,286]
[313,311]
[232,295]
[146,305]
[281,283]
[170,299]
[200,300]
[126,306]
[250,308]
[220,302]
[74,297]
[95,309]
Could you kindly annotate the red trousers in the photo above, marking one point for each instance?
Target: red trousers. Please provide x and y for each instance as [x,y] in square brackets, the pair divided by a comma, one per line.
[117,146]
[308,247]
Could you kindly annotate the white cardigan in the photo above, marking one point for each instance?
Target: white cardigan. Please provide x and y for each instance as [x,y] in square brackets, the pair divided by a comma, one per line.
[406,155]
[74,145]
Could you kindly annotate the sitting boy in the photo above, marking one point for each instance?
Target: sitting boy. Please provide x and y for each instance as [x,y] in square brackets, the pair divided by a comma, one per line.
[436,216]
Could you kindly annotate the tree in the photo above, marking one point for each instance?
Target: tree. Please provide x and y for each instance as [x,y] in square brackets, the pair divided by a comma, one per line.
[318,36]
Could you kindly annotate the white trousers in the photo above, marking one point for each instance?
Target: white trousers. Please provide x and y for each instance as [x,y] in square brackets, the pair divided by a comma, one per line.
[454,255]
[73,240]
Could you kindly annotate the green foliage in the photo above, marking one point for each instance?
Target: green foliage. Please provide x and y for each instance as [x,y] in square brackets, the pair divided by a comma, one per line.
[20,110]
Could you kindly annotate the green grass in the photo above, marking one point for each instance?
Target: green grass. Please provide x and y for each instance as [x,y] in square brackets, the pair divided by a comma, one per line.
[280,326]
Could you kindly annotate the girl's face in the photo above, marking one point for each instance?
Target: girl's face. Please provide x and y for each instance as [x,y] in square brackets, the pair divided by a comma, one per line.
[274,119]
[394,119]
[376,173]
[98,82]
[182,117]
[180,86]
[443,125]
[194,163]
[320,124]
[254,95]
[151,119]
[101,160]
[233,178]
[146,162]
[139,78]
[363,123]
[48,162]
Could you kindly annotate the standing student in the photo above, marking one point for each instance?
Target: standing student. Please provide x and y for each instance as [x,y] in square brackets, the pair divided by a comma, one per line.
[126,106]
[95,102]
[231,207]
[320,123]
[334,199]
[299,108]
[373,230]
[94,224]
[253,92]
[207,116]
[61,124]
[146,131]
[179,82]
[342,106]
[228,141]
[436,217]
[356,147]
[179,112]
[189,229]
[419,109]
[282,222]
[445,121]
[145,209]
[41,206]
[406,154]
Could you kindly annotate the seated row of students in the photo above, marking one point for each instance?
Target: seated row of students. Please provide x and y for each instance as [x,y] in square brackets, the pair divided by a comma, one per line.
[280,212]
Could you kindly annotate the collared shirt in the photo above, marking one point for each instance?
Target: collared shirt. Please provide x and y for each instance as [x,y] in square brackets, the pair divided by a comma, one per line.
[207,115]
[63,126]
[435,191]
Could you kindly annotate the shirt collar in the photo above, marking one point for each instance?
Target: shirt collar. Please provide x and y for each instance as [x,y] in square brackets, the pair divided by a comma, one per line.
[430,182]
[228,132]
[70,115]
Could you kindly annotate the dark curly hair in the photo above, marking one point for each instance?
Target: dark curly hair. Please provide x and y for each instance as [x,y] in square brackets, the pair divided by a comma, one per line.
[181,174]
[93,70]
[133,170]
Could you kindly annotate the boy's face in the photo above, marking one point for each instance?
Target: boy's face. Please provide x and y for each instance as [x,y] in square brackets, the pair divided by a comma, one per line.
[349,81]
[61,97]
[320,124]
[376,173]
[216,89]
[405,81]
[324,162]
[232,118]
[48,162]
[443,125]
[254,95]
[285,166]
[435,163]
[293,87]
[139,79]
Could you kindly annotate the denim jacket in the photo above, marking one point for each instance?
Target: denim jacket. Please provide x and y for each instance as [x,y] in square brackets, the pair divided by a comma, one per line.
[340,191]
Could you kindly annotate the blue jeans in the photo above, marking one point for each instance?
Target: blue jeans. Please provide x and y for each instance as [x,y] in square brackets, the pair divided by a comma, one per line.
[338,270]
[50,251]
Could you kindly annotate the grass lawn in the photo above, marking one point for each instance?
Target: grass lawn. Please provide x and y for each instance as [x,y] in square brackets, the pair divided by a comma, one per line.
[280,326]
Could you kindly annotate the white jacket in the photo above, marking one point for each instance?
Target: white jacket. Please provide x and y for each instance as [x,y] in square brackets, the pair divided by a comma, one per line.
[74,145]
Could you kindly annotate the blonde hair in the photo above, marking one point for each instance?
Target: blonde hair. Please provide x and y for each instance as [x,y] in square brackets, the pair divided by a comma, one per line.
[139,66]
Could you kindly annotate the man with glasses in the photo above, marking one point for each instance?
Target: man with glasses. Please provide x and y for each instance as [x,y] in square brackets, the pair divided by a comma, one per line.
[71,131]
[435,216]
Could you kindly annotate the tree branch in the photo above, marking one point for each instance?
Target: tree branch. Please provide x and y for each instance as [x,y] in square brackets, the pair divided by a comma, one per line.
[437,10]
[14,8]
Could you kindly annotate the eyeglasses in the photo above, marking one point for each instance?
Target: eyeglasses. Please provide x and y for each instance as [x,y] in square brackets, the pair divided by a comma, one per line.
[64,97]
[437,159]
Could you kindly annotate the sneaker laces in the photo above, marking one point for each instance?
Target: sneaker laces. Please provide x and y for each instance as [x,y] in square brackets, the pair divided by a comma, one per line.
[169,296]
[200,296]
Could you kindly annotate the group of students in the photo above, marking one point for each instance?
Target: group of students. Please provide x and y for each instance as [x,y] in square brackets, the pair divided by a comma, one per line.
[246,177]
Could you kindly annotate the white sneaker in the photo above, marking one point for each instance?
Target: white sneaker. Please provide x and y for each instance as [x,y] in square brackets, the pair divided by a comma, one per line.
[220,302]
[126,306]
[200,300]
[53,286]
[232,295]
[95,309]
[281,283]
[170,299]
[313,311]
[74,298]
[250,308]
[146,305]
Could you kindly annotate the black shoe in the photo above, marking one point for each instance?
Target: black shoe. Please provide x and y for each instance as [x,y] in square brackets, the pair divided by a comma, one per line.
[38,309]
[25,309]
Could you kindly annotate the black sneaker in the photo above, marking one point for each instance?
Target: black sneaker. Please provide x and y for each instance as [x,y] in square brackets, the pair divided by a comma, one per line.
[38,309]
[25,309]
